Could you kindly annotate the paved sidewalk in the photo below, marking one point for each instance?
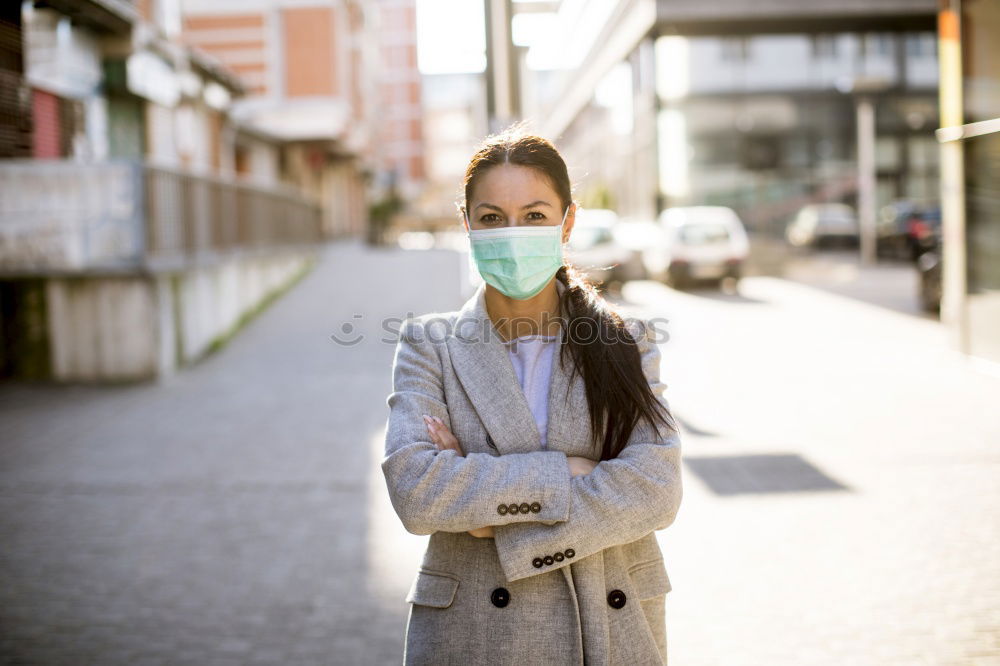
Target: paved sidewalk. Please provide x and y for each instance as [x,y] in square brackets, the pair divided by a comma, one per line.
[222,516]
[841,496]
[842,483]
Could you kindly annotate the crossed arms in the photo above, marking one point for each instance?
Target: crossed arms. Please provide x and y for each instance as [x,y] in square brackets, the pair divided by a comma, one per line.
[437,489]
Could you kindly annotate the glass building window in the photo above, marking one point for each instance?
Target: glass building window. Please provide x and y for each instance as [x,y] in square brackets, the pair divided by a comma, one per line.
[734,49]
[920,44]
[877,44]
[824,46]
[887,153]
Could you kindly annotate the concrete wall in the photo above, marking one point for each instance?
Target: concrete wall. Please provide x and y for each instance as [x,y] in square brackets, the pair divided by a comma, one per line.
[211,302]
[127,328]
[102,328]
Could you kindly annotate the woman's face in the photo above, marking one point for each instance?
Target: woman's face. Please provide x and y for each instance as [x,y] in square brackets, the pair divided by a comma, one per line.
[509,195]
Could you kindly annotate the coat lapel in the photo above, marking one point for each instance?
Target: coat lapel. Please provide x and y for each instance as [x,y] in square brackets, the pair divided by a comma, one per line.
[484,368]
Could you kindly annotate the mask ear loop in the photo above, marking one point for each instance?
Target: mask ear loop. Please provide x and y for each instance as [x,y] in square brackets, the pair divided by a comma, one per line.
[562,225]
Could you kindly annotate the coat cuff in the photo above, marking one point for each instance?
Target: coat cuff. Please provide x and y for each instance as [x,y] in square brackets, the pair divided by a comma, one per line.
[548,476]
[517,546]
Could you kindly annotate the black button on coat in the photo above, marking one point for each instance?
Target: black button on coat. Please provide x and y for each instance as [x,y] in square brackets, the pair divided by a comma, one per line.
[616,599]
[500,597]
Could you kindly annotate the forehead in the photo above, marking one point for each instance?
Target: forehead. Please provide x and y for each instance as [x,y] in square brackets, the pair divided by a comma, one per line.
[512,185]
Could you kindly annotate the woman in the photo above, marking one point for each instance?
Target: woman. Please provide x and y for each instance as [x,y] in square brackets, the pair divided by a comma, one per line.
[540,483]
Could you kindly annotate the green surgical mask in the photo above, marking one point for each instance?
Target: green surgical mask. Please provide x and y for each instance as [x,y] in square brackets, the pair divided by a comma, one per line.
[517,261]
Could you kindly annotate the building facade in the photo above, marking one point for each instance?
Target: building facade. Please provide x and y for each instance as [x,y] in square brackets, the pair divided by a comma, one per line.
[335,81]
[128,245]
[745,104]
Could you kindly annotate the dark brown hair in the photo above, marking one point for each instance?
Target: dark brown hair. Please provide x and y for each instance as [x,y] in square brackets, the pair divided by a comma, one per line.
[602,349]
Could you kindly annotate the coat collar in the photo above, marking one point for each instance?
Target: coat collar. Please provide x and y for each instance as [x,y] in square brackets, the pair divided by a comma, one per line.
[484,368]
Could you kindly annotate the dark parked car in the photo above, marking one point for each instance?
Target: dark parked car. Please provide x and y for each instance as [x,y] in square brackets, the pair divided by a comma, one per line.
[821,224]
[905,230]
[890,229]
[925,230]
[929,267]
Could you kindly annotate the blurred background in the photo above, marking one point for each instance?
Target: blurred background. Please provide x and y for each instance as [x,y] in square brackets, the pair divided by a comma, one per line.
[215,214]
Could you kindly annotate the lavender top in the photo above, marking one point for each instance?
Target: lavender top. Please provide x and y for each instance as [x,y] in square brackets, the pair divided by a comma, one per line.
[532,357]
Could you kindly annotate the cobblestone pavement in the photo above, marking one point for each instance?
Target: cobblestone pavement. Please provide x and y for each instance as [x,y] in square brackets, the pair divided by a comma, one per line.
[841,497]
[842,482]
[221,516]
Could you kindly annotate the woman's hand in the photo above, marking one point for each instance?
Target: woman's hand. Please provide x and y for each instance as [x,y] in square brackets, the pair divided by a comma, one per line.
[578,465]
[441,436]
[443,439]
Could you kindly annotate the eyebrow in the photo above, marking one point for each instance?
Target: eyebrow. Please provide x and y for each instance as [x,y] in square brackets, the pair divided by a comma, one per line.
[533,203]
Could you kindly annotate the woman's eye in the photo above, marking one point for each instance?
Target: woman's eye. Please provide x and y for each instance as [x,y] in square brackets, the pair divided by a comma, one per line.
[489,217]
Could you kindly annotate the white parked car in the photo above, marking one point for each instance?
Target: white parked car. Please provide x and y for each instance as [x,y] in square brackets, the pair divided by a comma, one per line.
[703,243]
[816,224]
[646,239]
[595,249]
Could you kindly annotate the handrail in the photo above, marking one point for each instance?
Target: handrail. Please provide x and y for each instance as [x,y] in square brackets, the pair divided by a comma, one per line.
[61,216]
[967,131]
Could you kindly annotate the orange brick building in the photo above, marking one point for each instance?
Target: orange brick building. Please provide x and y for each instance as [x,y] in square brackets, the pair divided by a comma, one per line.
[337,80]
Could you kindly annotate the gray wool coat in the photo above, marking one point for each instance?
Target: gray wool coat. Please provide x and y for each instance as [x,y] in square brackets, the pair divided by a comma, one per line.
[574,573]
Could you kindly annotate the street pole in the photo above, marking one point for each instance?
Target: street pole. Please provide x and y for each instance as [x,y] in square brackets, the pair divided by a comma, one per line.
[502,81]
[954,267]
[865,112]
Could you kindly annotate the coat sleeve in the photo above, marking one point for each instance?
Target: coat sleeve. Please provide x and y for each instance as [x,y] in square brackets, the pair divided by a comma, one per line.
[433,490]
[621,500]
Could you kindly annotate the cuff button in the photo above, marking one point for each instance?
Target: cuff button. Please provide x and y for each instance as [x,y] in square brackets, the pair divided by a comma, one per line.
[548,559]
[512,508]
[537,562]
[570,552]
[525,507]
[559,557]
[502,509]
[535,507]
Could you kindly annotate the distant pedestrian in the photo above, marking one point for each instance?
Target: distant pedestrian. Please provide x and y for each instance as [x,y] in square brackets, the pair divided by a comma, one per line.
[540,483]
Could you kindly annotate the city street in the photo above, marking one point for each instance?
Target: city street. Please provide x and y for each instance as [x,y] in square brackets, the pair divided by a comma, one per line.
[841,498]
[841,503]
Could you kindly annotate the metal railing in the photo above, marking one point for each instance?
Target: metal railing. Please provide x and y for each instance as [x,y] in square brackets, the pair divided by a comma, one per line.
[189,214]
[61,216]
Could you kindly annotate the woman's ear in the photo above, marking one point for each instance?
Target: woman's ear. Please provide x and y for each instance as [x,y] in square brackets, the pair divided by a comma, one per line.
[465,220]
[568,226]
